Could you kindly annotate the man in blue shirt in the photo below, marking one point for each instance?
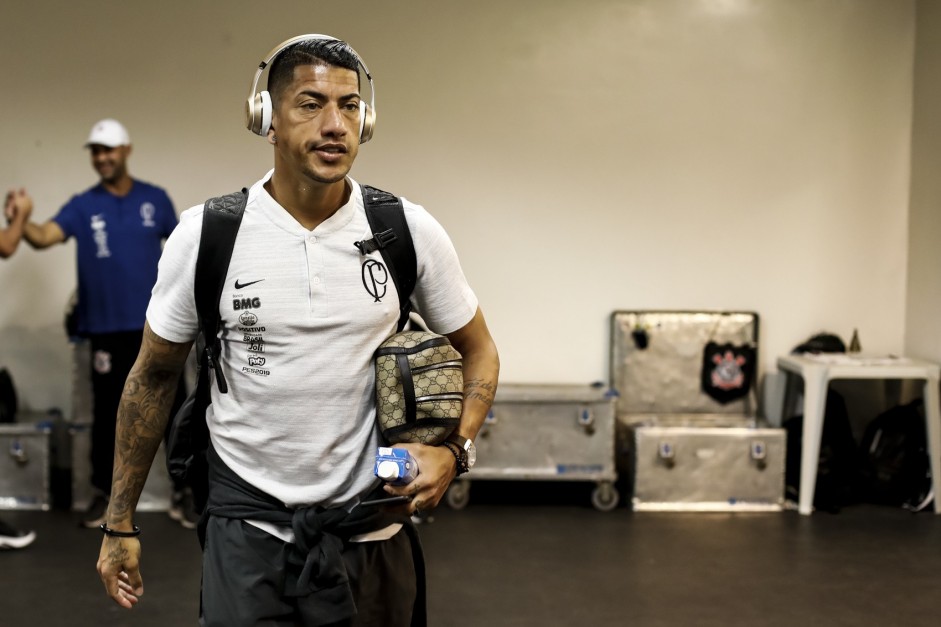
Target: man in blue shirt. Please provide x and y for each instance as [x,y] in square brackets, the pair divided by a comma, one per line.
[119,226]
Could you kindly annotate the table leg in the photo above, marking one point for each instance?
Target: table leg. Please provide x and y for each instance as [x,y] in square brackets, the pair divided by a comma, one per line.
[933,420]
[815,397]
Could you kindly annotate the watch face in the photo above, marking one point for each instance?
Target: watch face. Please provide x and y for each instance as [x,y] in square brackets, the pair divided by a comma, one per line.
[471,453]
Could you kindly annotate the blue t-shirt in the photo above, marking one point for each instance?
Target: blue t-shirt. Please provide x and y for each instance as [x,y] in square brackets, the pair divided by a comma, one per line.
[119,242]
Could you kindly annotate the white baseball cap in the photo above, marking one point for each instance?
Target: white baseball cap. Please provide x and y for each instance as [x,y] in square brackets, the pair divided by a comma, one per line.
[108,133]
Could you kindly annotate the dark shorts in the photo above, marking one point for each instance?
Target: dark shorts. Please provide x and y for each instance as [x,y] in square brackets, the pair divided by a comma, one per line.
[112,357]
[245,570]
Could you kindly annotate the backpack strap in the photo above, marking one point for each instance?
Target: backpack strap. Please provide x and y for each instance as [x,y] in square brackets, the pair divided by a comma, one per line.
[188,439]
[393,240]
[221,219]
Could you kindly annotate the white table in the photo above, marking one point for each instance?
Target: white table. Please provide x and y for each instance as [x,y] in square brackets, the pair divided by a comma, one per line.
[817,372]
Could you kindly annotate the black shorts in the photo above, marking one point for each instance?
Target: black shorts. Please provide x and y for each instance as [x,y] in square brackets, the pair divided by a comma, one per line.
[112,357]
[246,570]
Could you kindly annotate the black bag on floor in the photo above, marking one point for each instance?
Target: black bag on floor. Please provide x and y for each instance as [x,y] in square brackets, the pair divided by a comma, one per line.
[838,475]
[895,466]
[7,397]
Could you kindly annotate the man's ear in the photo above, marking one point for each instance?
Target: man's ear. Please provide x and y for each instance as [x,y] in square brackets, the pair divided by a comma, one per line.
[271,137]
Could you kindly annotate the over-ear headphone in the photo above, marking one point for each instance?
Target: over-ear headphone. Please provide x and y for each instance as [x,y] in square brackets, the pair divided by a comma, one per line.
[258,106]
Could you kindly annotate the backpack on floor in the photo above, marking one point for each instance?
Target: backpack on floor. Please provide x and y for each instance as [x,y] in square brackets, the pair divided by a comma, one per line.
[838,473]
[7,397]
[895,466]
[222,216]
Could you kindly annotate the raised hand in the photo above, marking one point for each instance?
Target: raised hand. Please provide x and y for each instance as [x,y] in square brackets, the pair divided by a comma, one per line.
[9,206]
[18,204]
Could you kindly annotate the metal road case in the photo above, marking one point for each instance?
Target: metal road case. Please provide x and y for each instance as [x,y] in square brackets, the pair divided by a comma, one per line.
[681,449]
[656,360]
[549,433]
[25,465]
[696,468]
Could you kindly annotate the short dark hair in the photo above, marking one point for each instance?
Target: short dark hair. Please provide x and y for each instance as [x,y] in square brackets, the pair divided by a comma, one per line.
[309,52]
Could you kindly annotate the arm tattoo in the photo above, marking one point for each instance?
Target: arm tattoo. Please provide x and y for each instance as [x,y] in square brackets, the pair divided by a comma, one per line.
[480,390]
[142,418]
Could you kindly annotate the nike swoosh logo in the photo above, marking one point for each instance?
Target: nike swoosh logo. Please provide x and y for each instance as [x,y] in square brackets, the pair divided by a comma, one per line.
[239,286]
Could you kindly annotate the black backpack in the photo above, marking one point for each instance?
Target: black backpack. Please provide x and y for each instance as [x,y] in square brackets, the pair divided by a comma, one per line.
[838,473]
[222,216]
[896,469]
[8,403]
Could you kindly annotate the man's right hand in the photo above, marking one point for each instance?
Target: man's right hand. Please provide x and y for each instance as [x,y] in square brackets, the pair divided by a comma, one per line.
[141,423]
[18,203]
[119,569]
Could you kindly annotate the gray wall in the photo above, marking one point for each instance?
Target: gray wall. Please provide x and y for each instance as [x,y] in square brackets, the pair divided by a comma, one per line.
[585,155]
[923,319]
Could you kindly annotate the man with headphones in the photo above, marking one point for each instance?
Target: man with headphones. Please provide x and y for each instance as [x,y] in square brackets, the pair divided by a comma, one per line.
[288,537]
[119,226]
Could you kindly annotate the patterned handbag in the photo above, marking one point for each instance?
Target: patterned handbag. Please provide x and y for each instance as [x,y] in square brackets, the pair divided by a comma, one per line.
[419,388]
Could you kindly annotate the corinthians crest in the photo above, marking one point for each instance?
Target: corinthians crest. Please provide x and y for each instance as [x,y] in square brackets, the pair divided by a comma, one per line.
[727,371]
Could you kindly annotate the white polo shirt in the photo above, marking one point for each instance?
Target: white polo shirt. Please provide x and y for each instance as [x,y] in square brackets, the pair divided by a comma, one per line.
[301,317]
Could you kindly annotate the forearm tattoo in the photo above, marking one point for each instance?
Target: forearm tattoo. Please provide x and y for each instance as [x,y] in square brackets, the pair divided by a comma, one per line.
[480,390]
[142,418]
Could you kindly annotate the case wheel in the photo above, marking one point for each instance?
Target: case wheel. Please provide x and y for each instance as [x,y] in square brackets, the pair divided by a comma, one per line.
[605,497]
[458,495]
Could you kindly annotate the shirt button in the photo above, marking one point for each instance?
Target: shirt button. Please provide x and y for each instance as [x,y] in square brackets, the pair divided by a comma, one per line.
[316,280]
[313,239]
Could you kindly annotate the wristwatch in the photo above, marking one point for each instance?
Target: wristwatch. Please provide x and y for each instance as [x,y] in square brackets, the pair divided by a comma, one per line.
[464,451]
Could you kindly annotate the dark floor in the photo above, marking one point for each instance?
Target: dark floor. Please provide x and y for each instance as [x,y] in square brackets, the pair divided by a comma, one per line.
[549,559]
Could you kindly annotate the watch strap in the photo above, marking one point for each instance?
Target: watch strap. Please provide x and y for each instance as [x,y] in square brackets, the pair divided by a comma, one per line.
[459,440]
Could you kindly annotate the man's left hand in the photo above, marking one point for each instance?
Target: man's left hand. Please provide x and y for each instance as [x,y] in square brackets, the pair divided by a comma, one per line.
[437,467]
